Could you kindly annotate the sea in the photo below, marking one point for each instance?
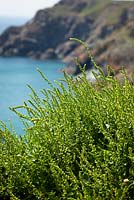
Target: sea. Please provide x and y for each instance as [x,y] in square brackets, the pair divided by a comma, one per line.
[18,72]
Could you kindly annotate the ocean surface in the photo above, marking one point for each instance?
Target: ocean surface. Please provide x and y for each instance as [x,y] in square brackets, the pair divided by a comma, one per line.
[15,74]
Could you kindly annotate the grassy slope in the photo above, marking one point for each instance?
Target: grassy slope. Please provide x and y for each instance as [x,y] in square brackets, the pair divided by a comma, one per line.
[95,10]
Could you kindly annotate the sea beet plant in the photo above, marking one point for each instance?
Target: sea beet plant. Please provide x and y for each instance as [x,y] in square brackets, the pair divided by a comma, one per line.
[79,144]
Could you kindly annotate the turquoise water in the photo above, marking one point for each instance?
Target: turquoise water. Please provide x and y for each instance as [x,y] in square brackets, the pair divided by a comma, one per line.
[15,74]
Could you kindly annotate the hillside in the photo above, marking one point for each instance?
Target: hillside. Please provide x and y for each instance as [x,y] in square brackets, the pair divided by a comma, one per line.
[106,26]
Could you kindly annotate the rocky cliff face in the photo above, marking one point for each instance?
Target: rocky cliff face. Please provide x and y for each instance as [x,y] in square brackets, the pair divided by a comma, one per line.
[106,26]
[43,36]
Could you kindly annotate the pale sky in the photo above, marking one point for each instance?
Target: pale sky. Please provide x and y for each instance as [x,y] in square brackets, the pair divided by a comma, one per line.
[26,8]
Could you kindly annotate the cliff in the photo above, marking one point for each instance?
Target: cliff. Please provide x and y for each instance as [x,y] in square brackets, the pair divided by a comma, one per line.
[106,26]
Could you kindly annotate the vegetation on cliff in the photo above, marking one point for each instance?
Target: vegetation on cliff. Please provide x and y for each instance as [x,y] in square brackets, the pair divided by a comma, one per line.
[106,26]
[79,144]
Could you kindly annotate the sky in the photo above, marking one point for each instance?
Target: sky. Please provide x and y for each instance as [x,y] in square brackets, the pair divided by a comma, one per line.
[23,8]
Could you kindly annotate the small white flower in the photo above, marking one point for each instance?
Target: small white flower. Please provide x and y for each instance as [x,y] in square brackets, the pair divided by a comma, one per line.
[126,180]
[108,126]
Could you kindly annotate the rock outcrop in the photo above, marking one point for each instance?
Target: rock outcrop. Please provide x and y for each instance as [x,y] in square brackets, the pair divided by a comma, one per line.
[106,26]
[49,29]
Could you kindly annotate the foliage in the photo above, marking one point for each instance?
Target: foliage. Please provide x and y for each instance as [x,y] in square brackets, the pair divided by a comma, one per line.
[80,144]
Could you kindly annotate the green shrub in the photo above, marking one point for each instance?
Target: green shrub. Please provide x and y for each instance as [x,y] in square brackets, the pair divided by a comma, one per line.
[79,144]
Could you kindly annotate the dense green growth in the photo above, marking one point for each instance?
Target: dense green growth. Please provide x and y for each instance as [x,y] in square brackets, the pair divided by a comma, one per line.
[80,144]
